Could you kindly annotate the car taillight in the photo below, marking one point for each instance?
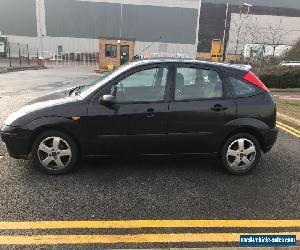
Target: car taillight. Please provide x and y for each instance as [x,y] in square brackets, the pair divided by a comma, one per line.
[250,77]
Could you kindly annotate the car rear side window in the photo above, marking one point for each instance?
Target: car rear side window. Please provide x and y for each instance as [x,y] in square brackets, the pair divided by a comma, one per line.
[241,88]
[195,83]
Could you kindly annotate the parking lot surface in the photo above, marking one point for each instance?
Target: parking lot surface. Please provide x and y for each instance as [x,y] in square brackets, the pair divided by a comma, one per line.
[141,188]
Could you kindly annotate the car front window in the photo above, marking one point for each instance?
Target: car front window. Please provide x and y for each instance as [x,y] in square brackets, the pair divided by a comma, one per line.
[86,90]
[142,86]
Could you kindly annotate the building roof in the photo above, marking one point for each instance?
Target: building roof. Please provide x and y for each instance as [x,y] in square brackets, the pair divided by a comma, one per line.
[118,38]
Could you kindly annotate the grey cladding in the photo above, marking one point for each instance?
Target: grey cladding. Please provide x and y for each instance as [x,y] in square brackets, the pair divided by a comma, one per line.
[18,17]
[268,3]
[148,23]
[211,27]
[69,18]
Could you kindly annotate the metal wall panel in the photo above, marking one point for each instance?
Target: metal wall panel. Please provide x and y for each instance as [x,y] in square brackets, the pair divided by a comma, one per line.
[268,3]
[169,3]
[166,49]
[148,23]
[78,45]
[211,23]
[69,18]
[288,27]
[18,17]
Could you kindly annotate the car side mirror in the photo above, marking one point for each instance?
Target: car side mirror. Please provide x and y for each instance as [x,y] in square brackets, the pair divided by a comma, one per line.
[107,100]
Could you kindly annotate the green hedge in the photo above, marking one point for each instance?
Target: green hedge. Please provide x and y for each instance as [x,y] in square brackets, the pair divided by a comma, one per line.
[281,77]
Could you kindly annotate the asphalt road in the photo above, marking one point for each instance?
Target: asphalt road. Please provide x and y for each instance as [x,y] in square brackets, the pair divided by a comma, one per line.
[140,187]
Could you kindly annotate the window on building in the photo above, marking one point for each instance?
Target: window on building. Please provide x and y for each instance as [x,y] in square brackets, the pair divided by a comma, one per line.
[59,49]
[193,83]
[110,50]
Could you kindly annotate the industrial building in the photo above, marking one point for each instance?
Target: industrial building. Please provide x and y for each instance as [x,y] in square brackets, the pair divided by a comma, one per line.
[76,25]
[256,24]
[178,28]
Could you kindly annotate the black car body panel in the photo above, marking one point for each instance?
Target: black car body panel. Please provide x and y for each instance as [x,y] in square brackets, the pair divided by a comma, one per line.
[147,127]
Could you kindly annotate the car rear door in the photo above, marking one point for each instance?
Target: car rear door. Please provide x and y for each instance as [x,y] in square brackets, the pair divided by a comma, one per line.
[199,109]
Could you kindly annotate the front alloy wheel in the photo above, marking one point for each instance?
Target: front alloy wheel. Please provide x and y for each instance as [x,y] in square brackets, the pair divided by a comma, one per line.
[54,152]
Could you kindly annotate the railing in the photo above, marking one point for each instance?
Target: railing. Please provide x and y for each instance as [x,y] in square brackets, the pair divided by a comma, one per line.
[18,54]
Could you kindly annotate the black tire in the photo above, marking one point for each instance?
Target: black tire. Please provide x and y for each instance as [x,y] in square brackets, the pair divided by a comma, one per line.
[242,168]
[66,141]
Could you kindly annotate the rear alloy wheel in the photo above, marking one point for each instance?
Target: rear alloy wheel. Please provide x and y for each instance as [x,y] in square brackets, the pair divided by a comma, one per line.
[241,153]
[54,152]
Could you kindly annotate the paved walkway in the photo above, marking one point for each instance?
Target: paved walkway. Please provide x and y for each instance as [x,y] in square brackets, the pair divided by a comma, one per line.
[290,97]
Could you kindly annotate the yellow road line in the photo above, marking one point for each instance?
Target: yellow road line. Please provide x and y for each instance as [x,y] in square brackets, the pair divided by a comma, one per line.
[147,224]
[289,131]
[136,238]
[289,127]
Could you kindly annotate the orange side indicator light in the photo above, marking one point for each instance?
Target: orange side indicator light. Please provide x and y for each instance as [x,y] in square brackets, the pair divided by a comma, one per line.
[75,118]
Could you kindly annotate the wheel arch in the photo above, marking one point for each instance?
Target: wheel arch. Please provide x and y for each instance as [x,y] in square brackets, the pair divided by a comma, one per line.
[55,127]
[249,130]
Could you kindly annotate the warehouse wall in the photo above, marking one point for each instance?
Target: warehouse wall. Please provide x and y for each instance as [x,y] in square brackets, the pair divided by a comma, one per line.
[211,22]
[70,44]
[288,27]
[159,49]
[295,4]
[51,43]
[77,24]
[142,22]
[18,17]
[69,18]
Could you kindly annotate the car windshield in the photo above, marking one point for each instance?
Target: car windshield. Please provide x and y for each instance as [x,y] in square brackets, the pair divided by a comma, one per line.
[89,88]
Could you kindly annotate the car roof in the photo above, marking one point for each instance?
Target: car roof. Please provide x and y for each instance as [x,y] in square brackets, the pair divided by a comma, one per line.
[225,66]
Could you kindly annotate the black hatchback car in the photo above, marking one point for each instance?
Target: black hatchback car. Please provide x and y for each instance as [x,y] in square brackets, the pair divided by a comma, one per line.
[161,106]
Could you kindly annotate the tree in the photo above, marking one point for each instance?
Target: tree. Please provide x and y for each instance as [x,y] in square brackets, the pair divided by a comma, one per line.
[253,30]
[275,36]
[294,53]
[238,28]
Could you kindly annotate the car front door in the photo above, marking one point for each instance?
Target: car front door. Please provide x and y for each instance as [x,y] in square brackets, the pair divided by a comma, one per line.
[136,123]
[199,110]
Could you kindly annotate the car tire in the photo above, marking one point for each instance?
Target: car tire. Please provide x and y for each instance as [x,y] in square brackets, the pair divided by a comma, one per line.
[54,152]
[241,153]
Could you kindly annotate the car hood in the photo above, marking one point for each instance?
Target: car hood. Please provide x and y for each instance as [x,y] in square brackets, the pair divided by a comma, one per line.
[34,108]
[57,95]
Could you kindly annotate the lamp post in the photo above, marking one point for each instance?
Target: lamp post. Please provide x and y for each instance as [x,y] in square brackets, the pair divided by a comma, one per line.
[121,17]
[241,23]
[248,7]
[41,31]
[197,27]
[224,33]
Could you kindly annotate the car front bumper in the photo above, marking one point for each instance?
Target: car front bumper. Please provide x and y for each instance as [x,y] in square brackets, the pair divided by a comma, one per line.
[17,141]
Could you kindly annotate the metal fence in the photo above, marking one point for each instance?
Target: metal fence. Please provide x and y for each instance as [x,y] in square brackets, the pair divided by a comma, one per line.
[18,54]
[72,58]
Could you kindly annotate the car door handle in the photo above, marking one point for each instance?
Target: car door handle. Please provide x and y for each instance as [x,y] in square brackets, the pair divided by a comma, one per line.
[218,107]
[150,112]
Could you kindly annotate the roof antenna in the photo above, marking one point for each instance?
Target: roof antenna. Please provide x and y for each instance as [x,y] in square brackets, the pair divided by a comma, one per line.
[137,55]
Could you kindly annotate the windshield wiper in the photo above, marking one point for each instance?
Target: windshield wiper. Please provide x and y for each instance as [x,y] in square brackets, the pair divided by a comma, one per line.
[76,90]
